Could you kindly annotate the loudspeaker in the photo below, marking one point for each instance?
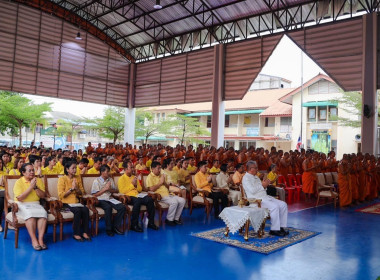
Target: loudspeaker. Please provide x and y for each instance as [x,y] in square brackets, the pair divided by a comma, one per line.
[357,137]
[366,111]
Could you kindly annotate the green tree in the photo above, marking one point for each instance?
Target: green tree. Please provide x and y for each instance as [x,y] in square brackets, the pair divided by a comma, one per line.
[17,111]
[68,128]
[144,124]
[186,128]
[351,103]
[111,125]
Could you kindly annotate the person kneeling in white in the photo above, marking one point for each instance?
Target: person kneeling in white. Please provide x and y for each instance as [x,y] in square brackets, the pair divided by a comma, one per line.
[278,209]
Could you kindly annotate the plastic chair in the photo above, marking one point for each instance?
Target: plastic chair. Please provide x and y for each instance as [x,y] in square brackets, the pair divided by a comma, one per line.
[293,183]
[289,190]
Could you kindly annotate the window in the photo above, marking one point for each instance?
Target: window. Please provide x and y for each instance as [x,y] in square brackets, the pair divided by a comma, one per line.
[269,122]
[163,116]
[334,145]
[322,113]
[333,113]
[285,124]
[227,121]
[208,121]
[158,117]
[311,114]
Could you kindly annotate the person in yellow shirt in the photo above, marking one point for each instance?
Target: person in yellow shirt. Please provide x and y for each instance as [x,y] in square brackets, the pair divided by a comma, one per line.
[204,182]
[96,167]
[171,178]
[129,185]
[215,167]
[178,165]
[59,166]
[149,162]
[28,190]
[184,174]
[82,167]
[156,183]
[2,173]
[7,164]
[17,165]
[272,189]
[36,161]
[69,189]
[50,167]
[140,166]
[191,167]
[238,175]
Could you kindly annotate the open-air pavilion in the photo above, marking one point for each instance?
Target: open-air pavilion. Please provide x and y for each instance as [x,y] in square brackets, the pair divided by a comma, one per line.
[150,53]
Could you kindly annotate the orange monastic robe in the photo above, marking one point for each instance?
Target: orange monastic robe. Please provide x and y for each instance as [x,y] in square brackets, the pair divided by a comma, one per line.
[354,183]
[308,180]
[345,193]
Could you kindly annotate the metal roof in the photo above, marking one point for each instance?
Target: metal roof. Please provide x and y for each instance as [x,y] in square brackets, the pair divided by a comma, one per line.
[139,31]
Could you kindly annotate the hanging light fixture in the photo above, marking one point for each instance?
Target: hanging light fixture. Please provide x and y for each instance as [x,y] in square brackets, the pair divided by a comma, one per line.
[78,37]
[158,5]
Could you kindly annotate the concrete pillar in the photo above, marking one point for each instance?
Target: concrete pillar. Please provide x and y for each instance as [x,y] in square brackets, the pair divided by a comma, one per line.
[217,118]
[130,112]
[369,94]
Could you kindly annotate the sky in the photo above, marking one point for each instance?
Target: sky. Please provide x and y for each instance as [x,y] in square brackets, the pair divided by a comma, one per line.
[285,62]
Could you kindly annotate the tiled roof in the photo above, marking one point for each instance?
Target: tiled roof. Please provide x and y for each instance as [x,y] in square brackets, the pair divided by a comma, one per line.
[288,97]
[278,108]
[256,99]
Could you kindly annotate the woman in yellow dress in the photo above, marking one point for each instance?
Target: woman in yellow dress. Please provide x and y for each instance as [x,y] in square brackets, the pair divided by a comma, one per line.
[27,193]
[69,189]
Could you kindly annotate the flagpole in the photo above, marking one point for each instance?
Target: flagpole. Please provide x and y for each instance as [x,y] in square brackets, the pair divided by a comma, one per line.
[301,99]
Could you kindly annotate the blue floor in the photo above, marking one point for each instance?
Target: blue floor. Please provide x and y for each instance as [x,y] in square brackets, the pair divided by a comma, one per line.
[348,248]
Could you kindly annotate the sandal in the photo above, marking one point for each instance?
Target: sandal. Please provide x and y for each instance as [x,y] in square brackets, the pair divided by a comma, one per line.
[37,248]
[80,239]
[44,247]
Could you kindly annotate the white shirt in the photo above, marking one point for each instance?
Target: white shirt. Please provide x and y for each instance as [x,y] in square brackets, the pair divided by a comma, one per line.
[253,187]
[98,184]
[222,180]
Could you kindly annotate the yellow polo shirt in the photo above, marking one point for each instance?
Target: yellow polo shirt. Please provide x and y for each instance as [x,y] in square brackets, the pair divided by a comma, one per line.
[59,168]
[214,170]
[126,187]
[47,171]
[201,181]
[182,174]
[14,172]
[22,185]
[153,180]
[64,184]
[93,171]
[272,177]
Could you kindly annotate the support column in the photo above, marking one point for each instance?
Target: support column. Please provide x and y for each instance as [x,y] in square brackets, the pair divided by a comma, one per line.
[369,75]
[217,117]
[130,112]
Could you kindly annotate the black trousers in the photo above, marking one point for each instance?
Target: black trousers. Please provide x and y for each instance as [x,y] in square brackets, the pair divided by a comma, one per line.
[81,218]
[137,202]
[215,197]
[107,207]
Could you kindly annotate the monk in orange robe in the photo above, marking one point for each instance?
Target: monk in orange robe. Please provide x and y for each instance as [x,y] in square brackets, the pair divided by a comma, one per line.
[308,176]
[354,175]
[344,182]
[362,170]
